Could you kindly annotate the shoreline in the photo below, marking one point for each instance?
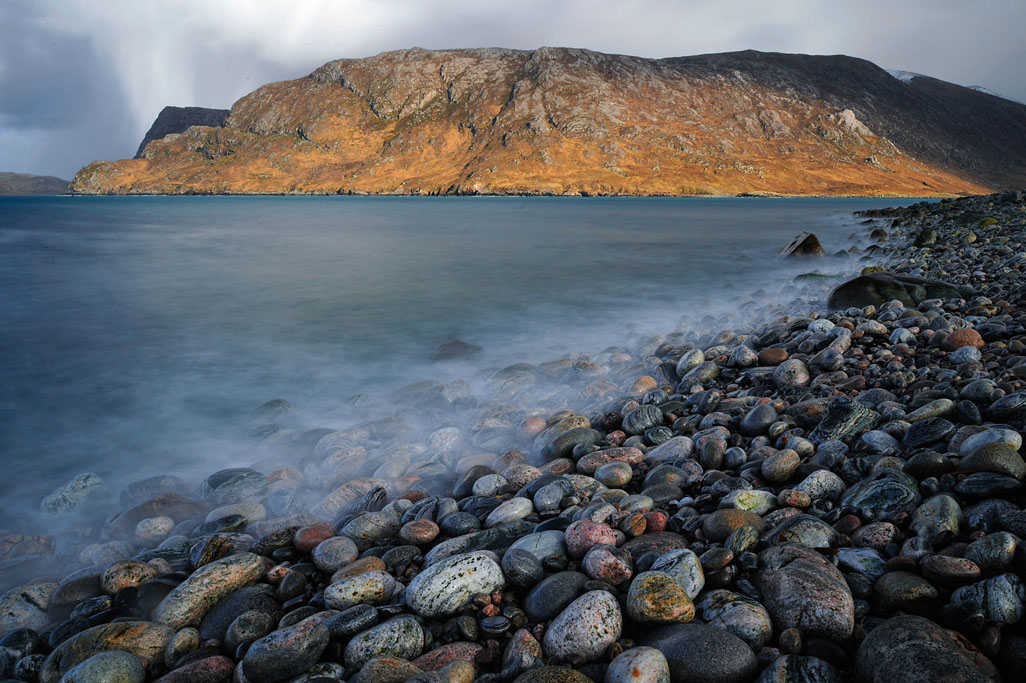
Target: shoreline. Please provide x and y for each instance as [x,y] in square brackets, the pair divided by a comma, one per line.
[743,195]
[725,455]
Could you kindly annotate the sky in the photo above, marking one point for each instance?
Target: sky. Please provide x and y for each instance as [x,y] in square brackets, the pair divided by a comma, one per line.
[83,79]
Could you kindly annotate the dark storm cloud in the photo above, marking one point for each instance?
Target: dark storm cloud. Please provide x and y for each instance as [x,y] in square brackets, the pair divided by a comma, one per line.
[83,79]
[60,103]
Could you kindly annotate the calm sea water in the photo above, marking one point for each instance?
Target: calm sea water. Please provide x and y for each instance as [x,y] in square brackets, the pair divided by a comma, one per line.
[136,332]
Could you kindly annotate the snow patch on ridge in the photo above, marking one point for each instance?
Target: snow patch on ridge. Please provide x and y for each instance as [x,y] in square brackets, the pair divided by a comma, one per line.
[903,76]
[988,91]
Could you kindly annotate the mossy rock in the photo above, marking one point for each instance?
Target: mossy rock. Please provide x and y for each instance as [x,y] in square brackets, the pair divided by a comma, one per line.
[878,288]
[872,269]
[816,277]
[988,221]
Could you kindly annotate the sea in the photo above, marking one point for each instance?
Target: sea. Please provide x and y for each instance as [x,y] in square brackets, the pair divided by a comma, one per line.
[138,333]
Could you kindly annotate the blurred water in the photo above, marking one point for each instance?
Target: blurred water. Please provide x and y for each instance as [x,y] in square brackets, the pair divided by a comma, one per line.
[135,332]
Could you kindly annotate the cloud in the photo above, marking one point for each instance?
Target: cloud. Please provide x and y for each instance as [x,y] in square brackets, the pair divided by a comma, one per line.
[83,79]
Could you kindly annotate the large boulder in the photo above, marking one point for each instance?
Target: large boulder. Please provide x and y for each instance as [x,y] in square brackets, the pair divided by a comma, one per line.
[878,288]
[910,649]
[802,590]
[803,244]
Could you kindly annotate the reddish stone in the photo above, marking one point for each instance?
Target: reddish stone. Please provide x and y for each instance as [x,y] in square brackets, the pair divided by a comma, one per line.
[949,570]
[592,461]
[876,535]
[609,564]
[794,499]
[663,542]
[584,533]
[656,521]
[532,427]
[962,337]
[360,566]
[276,573]
[642,386]
[616,438]
[309,537]
[633,525]
[848,524]
[207,670]
[440,656]
[772,356]
[418,531]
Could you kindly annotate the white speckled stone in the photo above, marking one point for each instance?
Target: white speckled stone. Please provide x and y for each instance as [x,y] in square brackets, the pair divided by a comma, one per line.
[513,510]
[543,544]
[682,565]
[440,589]
[582,632]
[399,637]
[639,665]
[368,588]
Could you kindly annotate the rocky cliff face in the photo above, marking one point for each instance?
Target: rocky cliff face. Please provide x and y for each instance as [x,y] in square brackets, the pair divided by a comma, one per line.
[173,120]
[30,184]
[567,121]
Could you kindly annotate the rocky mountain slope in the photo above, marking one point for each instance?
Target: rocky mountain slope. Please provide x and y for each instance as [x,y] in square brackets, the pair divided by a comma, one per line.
[31,184]
[179,119]
[569,121]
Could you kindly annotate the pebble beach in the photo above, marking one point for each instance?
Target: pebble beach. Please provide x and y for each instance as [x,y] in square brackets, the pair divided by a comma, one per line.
[832,491]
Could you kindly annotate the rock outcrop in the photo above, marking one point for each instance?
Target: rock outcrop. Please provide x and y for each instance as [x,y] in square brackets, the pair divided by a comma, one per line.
[172,120]
[570,121]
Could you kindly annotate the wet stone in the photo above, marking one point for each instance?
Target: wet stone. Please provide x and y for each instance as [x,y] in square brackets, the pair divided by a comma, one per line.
[114,666]
[368,588]
[780,466]
[795,669]
[724,657]
[1000,599]
[994,552]
[684,566]
[187,604]
[804,530]
[999,458]
[655,597]
[259,597]
[400,637]
[385,670]
[758,420]
[609,564]
[737,614]
[583,534]
[286,652]
[441,588]
[883,494]
[333,553]
[145,640]
[844,418]
[903,592]
[720,523]
[802,590]
[639,665]
[521,568]
[185,641]
[911,649]
[549,597]
[926,432]
[582,632]
[936,516]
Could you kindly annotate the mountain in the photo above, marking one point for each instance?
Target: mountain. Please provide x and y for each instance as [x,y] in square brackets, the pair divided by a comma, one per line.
[30,184]
[571,121]
[172,120]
